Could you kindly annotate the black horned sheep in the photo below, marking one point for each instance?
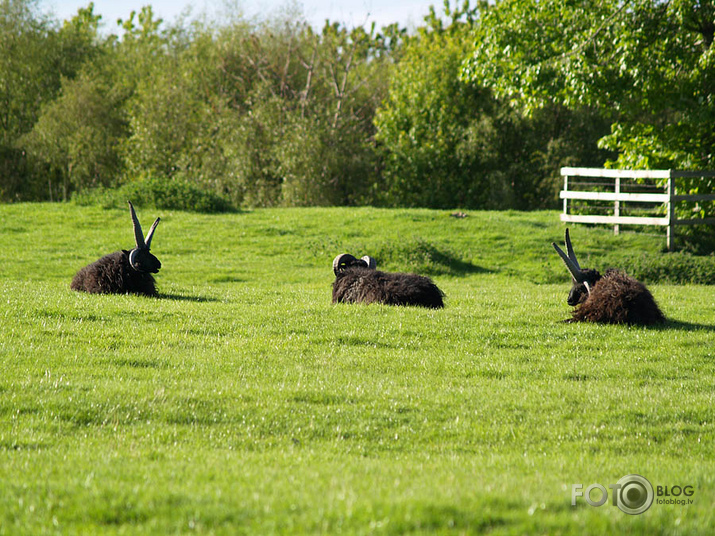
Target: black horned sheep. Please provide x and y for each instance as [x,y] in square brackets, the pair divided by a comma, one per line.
[357,280]
[611,298]
[123,271]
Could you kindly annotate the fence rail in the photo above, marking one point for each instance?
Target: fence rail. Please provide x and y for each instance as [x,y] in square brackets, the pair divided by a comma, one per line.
[668,198]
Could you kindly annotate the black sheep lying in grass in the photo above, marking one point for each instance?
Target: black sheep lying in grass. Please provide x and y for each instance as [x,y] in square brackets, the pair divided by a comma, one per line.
[123,271]
[357,280]
[611,298]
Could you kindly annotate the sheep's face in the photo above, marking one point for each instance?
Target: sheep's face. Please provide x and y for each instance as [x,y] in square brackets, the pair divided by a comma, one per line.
[139,258]
[579,291]
[345,261]
[142,260]
[355,263]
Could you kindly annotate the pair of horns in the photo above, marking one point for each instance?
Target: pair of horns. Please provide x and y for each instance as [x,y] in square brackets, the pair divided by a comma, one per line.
[138,235]
[345,260]
[142,244]
[570,260]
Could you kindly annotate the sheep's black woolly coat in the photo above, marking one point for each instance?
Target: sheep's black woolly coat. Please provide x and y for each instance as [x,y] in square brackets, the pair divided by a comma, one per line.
[617,298]
[358,284]
[112,274]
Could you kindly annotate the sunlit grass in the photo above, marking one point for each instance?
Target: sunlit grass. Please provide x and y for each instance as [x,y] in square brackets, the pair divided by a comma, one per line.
[242,401]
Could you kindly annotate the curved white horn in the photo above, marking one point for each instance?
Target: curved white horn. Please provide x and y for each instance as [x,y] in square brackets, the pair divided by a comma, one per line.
[371,263]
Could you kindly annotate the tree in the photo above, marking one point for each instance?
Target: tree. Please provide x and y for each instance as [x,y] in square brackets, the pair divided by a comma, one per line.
[450,143]
[647,65]
[77,135]
[293,112]
[35,57]
[436,132]
[327,154]
[24,84]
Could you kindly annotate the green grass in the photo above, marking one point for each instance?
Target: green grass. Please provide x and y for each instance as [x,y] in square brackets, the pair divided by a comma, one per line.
[242,402]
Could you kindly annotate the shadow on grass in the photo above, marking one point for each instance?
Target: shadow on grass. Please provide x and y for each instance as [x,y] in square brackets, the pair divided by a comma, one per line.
[668,325]
[12,445]
[445,262]
[181,297]
[459,267]
[422,257]
[684,326]
[136,362]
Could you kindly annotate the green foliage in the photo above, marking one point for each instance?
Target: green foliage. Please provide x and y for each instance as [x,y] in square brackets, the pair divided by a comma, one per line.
[475,109]
[26,77]
[34,57]
[265,115]
[77,134]
[158,193]
[166,120]
[529,51]
[675,268]
[242,402]
[316,113]
[187,103]
[432,126]
[448,143]
[645,64]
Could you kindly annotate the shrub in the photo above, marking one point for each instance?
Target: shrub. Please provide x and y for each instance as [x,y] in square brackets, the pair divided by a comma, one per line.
[671,268]
[157,193]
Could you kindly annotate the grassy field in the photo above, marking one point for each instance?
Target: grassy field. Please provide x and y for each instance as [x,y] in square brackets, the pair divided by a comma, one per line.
[242,402]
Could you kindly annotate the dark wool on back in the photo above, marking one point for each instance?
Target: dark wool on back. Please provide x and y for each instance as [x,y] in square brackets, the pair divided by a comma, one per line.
[617,298]
[123,272]
[614,298]
[357,281]
[112,274]
[371,286]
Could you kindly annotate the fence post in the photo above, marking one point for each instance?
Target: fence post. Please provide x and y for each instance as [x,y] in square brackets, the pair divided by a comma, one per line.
[617,207]
[670,232]
[566,189]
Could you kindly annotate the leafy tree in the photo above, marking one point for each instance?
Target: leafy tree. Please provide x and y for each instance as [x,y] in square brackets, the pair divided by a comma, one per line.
[25,79]
[436,132]
[24,83]
[292,112]
[35,56]
[449,143]
[327,154]
[645,65]
[77,136]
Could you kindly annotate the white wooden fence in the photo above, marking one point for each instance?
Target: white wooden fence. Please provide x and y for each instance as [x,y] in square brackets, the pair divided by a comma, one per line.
[668,198]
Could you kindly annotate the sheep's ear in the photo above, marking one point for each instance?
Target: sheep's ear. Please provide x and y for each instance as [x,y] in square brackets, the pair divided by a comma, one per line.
[371,263]
[138,235]
[151,233]
[341,260]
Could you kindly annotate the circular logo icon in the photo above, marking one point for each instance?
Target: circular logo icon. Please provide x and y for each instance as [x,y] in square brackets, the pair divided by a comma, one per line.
[635,494]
